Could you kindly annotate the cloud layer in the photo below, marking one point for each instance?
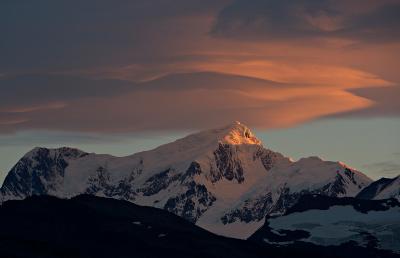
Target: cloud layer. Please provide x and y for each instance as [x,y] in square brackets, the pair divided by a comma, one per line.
[178,101]
[299,19]
[131,66]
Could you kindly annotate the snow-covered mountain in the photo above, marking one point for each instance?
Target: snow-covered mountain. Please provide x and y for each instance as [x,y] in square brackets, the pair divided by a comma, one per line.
[383,188]
[331,221]
[223,180]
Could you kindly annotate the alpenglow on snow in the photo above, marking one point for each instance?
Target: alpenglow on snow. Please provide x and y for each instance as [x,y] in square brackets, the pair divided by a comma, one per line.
[223,179]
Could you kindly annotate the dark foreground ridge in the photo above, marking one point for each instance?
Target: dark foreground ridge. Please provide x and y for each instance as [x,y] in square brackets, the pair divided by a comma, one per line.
[88,226]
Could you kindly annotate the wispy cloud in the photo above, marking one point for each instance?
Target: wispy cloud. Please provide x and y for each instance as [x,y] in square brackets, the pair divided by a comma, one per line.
[154,65]
[303,19]
[389,167]
[179,101]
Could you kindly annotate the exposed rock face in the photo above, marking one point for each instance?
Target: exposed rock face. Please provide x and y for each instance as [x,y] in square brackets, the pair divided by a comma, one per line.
[255,209]
[192,203]
[228,164]
[39,172]
[222,179]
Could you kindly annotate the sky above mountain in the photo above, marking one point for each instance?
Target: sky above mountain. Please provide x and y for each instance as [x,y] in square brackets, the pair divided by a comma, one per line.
[90,73]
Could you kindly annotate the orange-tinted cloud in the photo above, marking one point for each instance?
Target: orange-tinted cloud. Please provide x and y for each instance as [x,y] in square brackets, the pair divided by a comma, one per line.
[196,100]
[153,65]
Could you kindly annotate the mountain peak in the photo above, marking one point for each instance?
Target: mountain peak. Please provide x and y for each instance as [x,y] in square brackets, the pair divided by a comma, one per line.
[66,152]
[237,133]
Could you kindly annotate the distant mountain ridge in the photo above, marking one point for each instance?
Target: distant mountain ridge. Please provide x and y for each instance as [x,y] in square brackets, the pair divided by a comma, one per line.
[222,180]
[383,188]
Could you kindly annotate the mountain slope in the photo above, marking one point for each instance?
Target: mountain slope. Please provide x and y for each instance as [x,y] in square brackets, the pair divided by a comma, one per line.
[89,226]
[383,188]
[223,179]
[331,221]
